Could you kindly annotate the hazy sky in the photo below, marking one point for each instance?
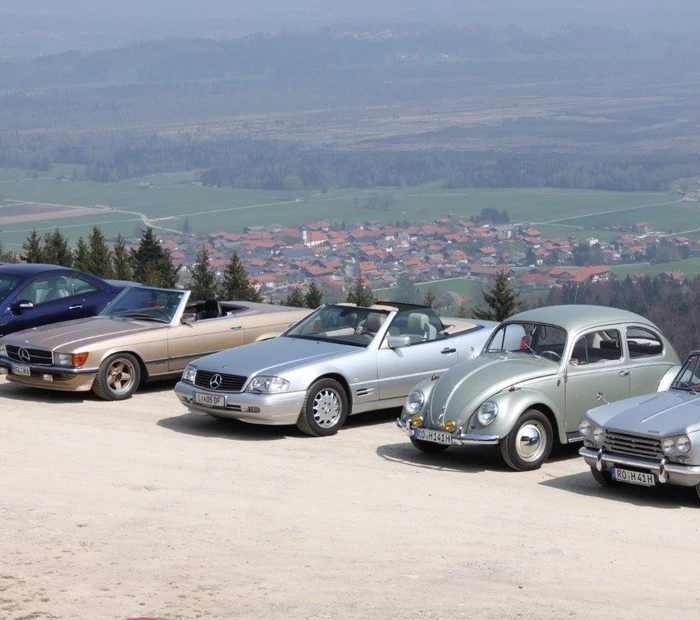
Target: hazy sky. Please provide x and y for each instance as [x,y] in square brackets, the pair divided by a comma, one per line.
[618,13]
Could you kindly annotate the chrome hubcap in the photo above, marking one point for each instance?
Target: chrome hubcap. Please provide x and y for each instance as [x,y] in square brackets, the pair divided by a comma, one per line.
[531,441]
[120,376]
[327,408]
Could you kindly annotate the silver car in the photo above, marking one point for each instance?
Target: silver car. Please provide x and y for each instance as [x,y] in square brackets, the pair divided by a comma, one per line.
[651,439]
[538,373]
[340,360]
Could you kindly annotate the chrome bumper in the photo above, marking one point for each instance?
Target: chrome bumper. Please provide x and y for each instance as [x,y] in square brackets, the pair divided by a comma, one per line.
[460,439]
[665,471]
[7,364]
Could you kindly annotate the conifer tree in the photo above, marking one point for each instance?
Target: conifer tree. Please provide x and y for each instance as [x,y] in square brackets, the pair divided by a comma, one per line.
[235,284]
[152,263]
[295,298]
[203,283]
[121,260]
[99,258]
[313,297]
[33,248]
[56,249]
[359,293]
[81,258]
[501,298]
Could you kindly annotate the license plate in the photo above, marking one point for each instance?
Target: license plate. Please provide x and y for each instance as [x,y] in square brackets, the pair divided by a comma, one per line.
[633,477]
[25,371]
[425,434]
[212,400]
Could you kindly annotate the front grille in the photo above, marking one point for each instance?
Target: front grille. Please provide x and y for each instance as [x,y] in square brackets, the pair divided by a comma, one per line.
[229,383]
[629,445]
[36,356]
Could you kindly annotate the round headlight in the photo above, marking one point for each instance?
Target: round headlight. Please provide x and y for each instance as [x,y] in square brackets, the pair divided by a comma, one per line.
[668,445]
[683,444]
[487,413]
[415,401]
[585,428]
[599,435]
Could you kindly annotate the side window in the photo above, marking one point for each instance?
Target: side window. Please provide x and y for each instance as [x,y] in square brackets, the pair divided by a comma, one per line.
[80,286]
[597,346]
[43,290]
[642,342]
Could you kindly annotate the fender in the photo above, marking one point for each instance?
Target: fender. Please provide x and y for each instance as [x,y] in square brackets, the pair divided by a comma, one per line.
[511,405]
[668,378]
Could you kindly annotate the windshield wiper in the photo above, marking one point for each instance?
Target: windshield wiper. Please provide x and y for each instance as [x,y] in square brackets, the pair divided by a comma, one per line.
[685,385]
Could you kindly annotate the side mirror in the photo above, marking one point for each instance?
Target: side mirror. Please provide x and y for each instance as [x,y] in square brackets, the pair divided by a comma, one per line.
[188,317]
[398,342]
[21,304]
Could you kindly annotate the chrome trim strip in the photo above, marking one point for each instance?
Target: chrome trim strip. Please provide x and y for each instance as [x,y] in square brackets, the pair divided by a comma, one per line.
[464,439]
[52,370]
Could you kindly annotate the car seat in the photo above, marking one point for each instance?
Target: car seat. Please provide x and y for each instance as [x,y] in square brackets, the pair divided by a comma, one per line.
[211,309]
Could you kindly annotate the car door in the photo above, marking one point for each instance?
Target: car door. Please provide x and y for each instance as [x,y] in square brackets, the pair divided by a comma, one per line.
[647,359]
[89,296]
[194,339]
[40,309]
[596,364]
[399,369]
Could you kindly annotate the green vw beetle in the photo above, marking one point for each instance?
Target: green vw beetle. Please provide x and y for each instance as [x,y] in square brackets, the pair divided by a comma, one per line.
[538,373]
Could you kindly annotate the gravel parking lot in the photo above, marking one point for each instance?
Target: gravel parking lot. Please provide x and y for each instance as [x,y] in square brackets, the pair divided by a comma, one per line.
[137,508]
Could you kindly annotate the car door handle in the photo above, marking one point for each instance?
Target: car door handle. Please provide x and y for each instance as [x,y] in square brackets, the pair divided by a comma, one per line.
[76,307]
[624,373]
[447,350]
[236,327]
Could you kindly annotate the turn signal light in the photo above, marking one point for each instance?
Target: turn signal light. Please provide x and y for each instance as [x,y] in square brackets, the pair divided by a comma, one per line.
[79,359]
[417,420]
[449,426]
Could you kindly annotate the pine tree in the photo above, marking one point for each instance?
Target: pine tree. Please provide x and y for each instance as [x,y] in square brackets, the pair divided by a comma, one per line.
[56,249]
[295,298]
[501,298]
[406,291]
[152,263]
[313,297]
[99,258]
[359,293]
[235,284]
[81,259]
[6,256]
[33,248]
[203,284]
[121,260]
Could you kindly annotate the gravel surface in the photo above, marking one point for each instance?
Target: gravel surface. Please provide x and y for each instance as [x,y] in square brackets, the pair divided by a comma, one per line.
[138,508]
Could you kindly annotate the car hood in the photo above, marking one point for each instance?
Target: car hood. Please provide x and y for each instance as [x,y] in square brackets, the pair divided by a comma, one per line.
[273,357]
[658,415]
[465,386]
[78,334]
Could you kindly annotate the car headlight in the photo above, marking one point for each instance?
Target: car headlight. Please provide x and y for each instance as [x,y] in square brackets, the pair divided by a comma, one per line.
[268,385]
[70,360]
[585,428]
[414,401]
[599,435]
[487,413]
[681,444]
[189,375]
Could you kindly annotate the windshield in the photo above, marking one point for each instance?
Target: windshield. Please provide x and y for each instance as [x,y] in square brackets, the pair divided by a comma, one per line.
[8,284]
[145,303]
[688,377]
[340,324]
[538,339]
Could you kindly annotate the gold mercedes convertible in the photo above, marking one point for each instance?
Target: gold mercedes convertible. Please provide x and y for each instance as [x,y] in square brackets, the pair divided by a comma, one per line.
[145,333]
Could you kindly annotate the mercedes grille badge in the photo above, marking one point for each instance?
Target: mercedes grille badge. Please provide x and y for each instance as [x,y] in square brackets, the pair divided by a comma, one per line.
[215,382]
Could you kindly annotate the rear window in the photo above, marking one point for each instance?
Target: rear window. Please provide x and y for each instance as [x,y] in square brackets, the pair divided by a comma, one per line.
[643,343]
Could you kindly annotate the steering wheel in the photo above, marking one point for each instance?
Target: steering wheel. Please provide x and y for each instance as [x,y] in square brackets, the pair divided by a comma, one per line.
[553,355]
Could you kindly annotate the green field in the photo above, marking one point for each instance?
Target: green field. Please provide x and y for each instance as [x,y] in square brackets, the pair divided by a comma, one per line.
[173,198]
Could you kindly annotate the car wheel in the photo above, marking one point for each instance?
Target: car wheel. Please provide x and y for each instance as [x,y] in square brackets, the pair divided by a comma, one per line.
[324,410]
[117,377]
[603,477]
[528,445]
[429,447]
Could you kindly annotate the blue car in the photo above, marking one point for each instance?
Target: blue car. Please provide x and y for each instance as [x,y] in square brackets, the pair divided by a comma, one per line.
[33,294]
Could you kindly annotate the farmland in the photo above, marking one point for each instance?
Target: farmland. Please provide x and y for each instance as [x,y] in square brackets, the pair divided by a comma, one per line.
[170,198]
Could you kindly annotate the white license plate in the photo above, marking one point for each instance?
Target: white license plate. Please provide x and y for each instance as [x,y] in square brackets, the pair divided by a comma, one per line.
[633,477]
[212,400]
[426,434]
[18,369]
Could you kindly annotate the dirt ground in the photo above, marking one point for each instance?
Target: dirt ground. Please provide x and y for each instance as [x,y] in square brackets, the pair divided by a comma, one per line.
[138,508]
